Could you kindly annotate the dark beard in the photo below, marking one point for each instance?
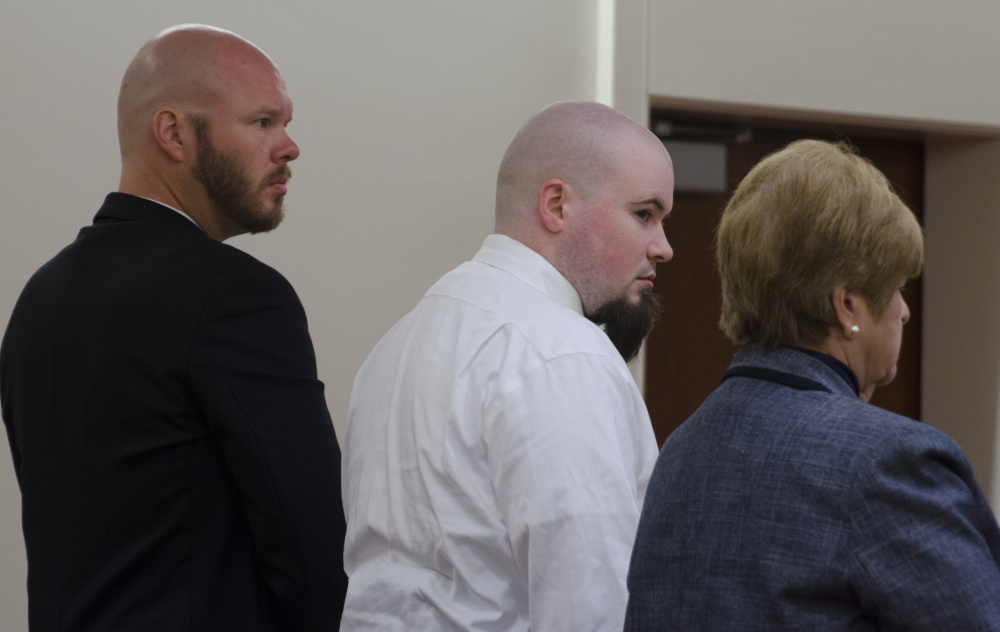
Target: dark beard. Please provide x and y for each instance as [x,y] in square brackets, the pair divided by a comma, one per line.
[228,186]
[627,324]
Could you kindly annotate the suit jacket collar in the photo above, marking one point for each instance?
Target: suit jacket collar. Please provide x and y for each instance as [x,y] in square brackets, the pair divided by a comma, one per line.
[122,207]
[794,362]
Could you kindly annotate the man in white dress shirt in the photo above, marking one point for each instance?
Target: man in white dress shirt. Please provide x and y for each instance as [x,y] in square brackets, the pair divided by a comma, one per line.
[497,448]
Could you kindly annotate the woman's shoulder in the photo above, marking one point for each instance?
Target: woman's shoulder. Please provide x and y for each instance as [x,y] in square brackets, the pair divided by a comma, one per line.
[888,431]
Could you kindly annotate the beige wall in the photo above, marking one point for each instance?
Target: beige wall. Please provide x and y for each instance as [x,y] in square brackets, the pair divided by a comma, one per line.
[402,111]
[918,65]
[922,60]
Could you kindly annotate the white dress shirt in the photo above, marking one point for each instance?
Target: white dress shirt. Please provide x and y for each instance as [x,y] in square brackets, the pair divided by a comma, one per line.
[496,458]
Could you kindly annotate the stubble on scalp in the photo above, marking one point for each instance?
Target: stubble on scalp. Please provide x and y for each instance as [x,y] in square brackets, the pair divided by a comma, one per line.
[576,142]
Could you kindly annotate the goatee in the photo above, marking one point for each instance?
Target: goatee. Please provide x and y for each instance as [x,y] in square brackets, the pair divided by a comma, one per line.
[626,323]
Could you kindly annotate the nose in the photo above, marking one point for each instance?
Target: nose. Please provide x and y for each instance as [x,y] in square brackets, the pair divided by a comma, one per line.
[906,312]
[287,150]
[659,249]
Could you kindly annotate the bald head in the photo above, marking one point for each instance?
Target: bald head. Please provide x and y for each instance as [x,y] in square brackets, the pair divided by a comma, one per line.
[578,142]
[202,118]
[185,67]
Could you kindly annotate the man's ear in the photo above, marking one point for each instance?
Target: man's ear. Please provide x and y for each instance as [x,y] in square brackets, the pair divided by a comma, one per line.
[845,306]
[550,206]
[167,124]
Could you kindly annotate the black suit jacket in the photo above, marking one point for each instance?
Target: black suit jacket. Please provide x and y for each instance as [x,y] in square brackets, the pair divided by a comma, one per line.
[177,463]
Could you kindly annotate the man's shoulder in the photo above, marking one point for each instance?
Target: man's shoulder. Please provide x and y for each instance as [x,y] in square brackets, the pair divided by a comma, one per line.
[482,323]
[153,262]
[501,300]
[509,298]
[229,259]
[140,230]
[173,248]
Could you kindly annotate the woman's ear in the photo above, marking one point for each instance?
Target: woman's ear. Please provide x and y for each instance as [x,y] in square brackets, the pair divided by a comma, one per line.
[846,306]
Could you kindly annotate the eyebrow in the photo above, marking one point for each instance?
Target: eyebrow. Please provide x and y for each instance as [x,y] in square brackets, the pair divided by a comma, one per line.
[268,112]
[657,202]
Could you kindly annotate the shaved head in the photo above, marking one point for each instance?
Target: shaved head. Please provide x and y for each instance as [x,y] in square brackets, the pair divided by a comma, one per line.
[184,67]
[202,118]
[578,142]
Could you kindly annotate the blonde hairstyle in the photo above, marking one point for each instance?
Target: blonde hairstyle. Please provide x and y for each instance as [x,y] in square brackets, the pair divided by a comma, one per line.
[805,220]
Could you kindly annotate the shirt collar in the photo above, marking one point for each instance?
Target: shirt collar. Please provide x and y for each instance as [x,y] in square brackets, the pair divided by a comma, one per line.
[510,255]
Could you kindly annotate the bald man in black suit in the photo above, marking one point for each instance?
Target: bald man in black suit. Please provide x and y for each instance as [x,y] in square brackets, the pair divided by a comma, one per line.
[177,462]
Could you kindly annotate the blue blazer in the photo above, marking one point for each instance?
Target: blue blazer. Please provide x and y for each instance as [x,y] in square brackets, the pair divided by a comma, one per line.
[780,508]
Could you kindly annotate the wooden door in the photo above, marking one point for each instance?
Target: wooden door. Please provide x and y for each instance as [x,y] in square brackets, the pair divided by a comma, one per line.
[686,353]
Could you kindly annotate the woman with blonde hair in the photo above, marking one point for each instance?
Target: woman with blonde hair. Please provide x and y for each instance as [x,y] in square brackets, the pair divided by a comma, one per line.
[786,501]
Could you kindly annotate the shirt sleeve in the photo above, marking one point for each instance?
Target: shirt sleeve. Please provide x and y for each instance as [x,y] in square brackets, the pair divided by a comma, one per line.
[563,455]
[927,547]
[254,372]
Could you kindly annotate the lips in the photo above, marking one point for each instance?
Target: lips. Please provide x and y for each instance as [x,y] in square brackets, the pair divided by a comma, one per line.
[277,180]
[279,186]
[646,281]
